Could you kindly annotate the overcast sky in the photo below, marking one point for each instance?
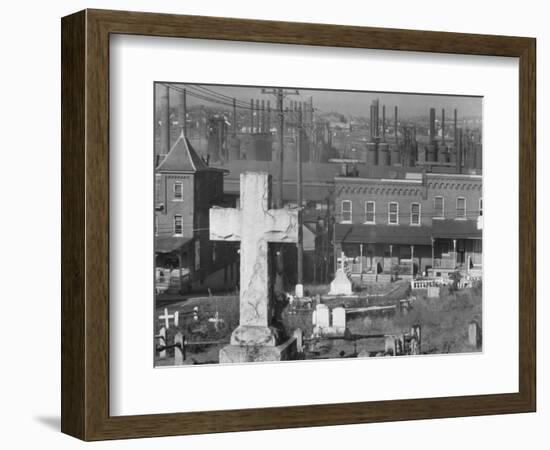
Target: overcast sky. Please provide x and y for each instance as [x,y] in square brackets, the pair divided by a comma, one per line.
[355,103]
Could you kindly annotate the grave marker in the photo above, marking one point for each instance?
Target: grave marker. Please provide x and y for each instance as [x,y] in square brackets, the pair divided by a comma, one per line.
[166,317]
[339,319]
[474,334]
[433,291]
[162,341]
[322,319]
[341,285]
[254,225]
[298,334]
[179,356]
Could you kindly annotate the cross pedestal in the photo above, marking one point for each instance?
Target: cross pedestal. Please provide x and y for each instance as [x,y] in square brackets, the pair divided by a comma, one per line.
[254,225]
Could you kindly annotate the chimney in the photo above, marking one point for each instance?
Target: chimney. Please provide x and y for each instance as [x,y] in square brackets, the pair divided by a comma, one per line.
[164,119]
[395,125]
[258,112]
[432,125]
[458,143]
[377,116]
[262,126]
[443,125]
[268,123]
[384,123]
[372,122]
[251,115]
[455,137]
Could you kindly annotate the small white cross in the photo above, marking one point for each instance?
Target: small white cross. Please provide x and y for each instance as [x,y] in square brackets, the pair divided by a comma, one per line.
[216,320]
[166,317]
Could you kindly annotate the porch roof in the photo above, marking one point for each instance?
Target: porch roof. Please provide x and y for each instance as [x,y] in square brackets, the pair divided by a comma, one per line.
[168,244]
[383,234]
[456,229]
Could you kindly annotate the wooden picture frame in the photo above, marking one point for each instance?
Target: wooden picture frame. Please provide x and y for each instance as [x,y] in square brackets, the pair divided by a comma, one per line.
[85,224]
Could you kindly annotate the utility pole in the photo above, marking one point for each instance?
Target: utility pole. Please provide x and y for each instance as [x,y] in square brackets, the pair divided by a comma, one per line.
[280,94]
[182,113]
[234,117]
[300,244]
[164,119]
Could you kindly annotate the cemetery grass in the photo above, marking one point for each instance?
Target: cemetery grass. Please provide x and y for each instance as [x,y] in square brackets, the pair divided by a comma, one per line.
[444,323]
[444,320]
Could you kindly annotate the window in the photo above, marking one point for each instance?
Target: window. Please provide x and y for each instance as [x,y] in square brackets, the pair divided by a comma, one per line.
[346,211]
[393,213]
[480,206]
[439,208]
[178,225]
[370,212]
[178,191]
[415,213]
[460,208]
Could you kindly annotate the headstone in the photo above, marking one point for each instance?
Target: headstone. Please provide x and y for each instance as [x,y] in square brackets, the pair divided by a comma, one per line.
[299,340]
[178,351]
[341,285]
[414,347]
[339,319]
[162,342]
[474,334]
[389,345]
[254,225]
[433,291]
[416,331]
[322,318]
[299,291]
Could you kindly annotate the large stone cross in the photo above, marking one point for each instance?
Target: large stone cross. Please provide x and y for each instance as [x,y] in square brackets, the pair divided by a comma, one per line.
[254,225]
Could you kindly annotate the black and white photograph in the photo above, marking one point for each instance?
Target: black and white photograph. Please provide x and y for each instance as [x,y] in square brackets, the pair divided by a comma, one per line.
[302,224]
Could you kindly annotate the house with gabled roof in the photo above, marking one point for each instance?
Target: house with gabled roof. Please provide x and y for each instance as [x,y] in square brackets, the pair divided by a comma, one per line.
[186,187]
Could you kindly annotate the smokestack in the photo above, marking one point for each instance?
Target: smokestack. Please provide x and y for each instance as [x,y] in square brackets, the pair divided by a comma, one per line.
[252,115]
[268,124]
[459,151]
[377,116]
[262,116]
[443,125]
[455,131]
[372,122]
[432,125]
[395,125]
[384,123]
[164,119]
[257,121]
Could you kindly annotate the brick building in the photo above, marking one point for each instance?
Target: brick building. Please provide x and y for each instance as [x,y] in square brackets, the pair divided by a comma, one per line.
[409,224]
[186,187]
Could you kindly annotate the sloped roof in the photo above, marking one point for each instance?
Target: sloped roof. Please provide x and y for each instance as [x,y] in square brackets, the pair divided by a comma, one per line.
[168,244]
[456,229]
[182,158]
[383,234]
